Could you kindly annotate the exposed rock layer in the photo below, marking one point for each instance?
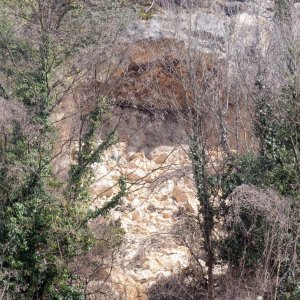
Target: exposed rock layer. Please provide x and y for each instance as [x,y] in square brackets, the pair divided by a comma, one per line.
[152,150]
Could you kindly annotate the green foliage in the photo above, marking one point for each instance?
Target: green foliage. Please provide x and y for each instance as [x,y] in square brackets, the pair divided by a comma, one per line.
[283,9]
[145,15]
[247,244]
[145,10]
[112,202]
[278,135]
[66,293]
[289,287]
[43,221]
[204,185]
[276,166]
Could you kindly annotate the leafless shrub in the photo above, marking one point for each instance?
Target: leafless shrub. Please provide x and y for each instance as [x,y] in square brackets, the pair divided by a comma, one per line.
[93,270]
[272,224]
[13,113]
[271,205]
[181,286]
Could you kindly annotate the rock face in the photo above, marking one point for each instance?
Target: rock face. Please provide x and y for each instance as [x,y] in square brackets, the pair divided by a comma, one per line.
[152,151]
[160,192]
[152,73]
[160,186]
[206,27]
[207,31]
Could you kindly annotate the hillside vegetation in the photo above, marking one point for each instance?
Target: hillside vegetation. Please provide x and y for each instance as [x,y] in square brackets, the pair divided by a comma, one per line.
[191,106]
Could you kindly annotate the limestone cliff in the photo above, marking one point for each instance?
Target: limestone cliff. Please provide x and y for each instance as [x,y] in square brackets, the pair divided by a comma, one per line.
[152,148]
